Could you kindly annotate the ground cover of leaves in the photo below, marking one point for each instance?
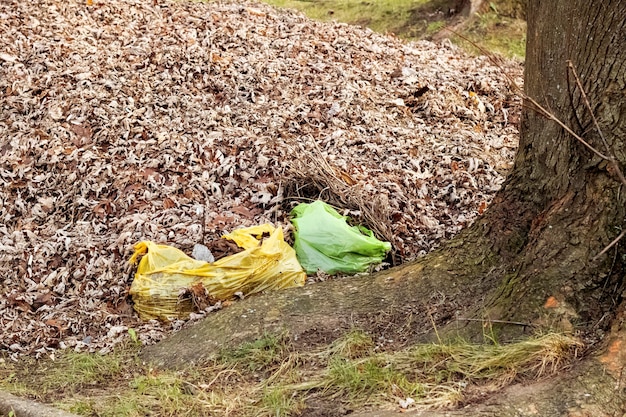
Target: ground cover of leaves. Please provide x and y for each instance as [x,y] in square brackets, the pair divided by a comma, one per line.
[176,122]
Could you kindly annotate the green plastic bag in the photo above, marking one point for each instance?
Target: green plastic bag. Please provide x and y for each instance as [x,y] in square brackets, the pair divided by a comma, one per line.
[324,241]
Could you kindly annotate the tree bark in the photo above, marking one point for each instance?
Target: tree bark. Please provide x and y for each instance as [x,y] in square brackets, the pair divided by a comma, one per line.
[531,259]
[570,203]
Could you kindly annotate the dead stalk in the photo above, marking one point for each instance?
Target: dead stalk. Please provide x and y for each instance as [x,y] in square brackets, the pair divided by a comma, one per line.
[612,159]
[610,245]
[541,110]
[489,321]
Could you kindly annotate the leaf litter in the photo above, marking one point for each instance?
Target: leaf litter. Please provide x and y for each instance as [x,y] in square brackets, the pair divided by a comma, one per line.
[176,122]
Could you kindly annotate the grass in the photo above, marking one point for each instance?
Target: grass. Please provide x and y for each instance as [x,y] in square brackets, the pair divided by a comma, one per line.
[269,377]
[379,15]
[256,355]
[277,401]
[495,33]
[355,344]
[495,28]
[76,370]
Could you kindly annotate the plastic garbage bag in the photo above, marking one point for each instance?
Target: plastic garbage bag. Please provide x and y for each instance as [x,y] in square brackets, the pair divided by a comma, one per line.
[324,241]
[165,274]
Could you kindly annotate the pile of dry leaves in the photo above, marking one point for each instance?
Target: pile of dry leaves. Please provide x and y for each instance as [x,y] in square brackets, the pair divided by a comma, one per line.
[135,120]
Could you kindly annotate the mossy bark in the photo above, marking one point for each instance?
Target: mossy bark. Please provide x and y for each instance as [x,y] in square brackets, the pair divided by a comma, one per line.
[529,262]
[399,305]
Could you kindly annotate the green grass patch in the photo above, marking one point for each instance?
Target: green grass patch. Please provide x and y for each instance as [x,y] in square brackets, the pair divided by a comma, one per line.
[74,370]
[499,27]
[355,344]
[270,377]
[361,380]
[379,15]
[277,401]
[256,355]
[444,374]
[494,33]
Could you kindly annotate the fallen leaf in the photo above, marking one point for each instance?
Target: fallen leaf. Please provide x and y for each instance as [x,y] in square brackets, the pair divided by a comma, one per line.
[82,131]
[43,299]
[551,302]
[244,211]
[168,203]
[255,12]
[54,323]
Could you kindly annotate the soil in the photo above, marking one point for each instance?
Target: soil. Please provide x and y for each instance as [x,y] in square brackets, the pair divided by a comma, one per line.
[324,408]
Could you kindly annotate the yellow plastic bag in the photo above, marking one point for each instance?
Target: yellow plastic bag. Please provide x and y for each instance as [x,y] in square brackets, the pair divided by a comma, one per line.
[164,272]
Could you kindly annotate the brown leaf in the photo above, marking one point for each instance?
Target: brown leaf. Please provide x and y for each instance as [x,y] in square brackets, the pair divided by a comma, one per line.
[551,302]
[42,135]
[346,178]
[223,247]
[200,296]
[168,203]
[151,172]
[18,303]
[103,209]
[255,12]
[82,131]
[121,308]
[43,299]
[131,188]
[244,211]
[221,219]
[54,323]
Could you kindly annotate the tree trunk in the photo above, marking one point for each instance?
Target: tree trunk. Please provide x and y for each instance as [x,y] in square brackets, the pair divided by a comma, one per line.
[530,259]
[567,200]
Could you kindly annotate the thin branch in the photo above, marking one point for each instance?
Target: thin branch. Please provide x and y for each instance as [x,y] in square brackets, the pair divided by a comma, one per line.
[570,91]
[610,245]
[491,58]
[538,107]
[612,158]
[515,323]
[555,119]
[432,320]
[586,100]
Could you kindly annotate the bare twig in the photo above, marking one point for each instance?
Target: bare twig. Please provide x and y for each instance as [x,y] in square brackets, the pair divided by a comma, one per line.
[514,323]
[555,119]
[610,245]
[432,320]
[537,107]
[586,100]
[612,159]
